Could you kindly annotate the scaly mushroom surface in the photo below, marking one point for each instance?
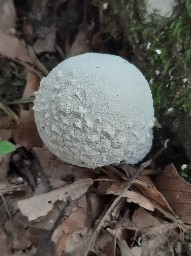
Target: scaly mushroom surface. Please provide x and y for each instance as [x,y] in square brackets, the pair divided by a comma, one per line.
[95,109]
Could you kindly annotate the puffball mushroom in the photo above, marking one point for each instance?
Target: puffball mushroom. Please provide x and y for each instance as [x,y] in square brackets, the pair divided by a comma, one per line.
[94,110]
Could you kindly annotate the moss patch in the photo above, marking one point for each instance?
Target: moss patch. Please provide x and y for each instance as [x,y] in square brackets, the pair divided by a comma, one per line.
[165,57]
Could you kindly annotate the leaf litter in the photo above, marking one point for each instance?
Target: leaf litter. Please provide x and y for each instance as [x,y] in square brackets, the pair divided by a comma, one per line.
[49,207]
[32,207]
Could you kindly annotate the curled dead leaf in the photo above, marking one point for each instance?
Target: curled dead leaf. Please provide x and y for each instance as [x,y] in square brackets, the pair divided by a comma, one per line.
[176,191]
[133,197]
[7,16]
[148,189]
[143,193]
[13,48]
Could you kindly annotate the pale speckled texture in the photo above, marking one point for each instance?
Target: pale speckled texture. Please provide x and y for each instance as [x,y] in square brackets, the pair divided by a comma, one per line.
[164,8]
[94,110]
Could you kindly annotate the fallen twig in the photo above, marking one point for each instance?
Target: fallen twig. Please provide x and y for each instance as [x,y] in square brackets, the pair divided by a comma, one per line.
[36,61]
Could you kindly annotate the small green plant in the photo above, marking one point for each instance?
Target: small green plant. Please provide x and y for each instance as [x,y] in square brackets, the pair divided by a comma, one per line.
[12,74]
[6,147]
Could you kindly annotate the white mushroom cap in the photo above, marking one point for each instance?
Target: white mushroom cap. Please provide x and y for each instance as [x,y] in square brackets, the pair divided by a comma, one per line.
[95,109]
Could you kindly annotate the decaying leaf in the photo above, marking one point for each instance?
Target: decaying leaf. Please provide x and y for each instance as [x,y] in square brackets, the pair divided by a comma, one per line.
[160,244]
[15,229]
[7,16]
[148,189]
[57,169]
[80,45]
[5,134]
[124,248]
[133,197]
[150,225]
[143,219]
[176,191]
[31,86]
[143,193]
[152,234]
[74,232]
[4,166]
[13,48]
[8,119]
[8,188]
[46,40]
[32,207]
[137,251]
[5,243]
[26,134]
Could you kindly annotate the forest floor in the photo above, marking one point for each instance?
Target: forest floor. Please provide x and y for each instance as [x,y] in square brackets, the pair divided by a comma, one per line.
[49,207]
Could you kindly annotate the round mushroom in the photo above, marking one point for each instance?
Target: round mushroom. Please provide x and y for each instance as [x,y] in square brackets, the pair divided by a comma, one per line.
[94,110]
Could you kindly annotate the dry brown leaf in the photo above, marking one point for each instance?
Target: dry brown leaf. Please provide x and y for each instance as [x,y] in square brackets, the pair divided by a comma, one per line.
[27,252]
[160,244]
[74,230]
[5,243]
[22,235]
[97,42]
[4,166]
[143,219]
[46,40]
[32,207]
[144,193]
[7,16]
[71,234]
[105,245]
[133,197]
[56,183]
[147,188]
[124,248]
[176,191]
[8,188]
[8,119]
[26,134]
[152,234]
[32,83]
[137,251]
[150,225]
[5,134]
[80,45]
[95,204]
[15,229]
[111,187]
[13,48]
[55,168]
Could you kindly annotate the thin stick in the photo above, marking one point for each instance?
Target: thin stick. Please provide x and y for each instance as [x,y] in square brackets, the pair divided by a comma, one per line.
[6,206]
[37,62]
[106,216]
[40,171]
[89,209]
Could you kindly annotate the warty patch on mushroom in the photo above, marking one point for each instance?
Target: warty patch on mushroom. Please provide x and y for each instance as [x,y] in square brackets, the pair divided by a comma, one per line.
[94,110]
